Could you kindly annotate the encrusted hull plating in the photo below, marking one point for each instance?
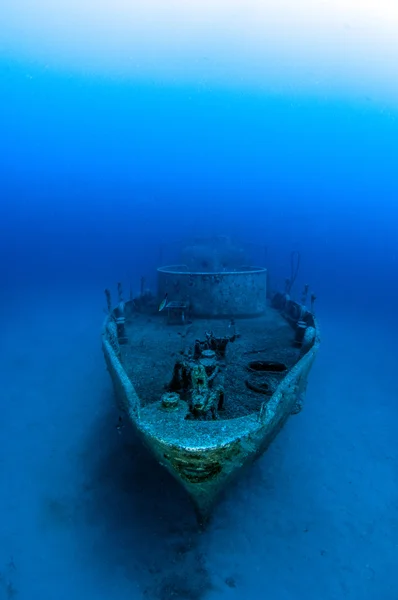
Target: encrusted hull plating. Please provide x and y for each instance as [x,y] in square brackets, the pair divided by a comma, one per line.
[205,455]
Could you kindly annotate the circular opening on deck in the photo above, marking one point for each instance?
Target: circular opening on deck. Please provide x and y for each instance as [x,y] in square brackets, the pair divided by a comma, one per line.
[260,387]
[266,366]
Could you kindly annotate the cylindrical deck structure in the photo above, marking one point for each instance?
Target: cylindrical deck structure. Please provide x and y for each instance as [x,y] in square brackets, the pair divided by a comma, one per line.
[227,294]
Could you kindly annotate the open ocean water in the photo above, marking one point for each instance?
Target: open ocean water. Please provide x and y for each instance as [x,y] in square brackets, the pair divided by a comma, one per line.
[124,128]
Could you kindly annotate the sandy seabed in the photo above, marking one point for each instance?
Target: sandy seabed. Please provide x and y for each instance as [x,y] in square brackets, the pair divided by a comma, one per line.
[86,513]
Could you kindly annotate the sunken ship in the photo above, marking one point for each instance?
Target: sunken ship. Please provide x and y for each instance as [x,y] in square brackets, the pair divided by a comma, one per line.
[209,368]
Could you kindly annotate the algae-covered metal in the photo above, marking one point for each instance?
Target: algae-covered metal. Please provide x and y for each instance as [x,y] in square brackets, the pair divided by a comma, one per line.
[207,395]
[237,293]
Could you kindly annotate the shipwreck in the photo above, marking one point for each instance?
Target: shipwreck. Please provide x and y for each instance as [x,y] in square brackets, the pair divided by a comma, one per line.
[209,368]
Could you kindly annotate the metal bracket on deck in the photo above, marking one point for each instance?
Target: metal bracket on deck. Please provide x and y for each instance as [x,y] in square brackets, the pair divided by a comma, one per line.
[176,311]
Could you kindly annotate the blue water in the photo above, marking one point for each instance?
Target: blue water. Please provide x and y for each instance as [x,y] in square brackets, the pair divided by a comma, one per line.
[98,172]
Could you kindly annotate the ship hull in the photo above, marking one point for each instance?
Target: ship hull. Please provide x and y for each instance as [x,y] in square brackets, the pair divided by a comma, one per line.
[204,457]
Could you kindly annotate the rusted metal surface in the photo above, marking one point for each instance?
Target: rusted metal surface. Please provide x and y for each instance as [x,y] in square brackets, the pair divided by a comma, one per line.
[237,293]
[204,455]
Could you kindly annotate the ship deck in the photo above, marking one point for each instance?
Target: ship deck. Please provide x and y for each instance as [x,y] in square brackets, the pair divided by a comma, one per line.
[154,346]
